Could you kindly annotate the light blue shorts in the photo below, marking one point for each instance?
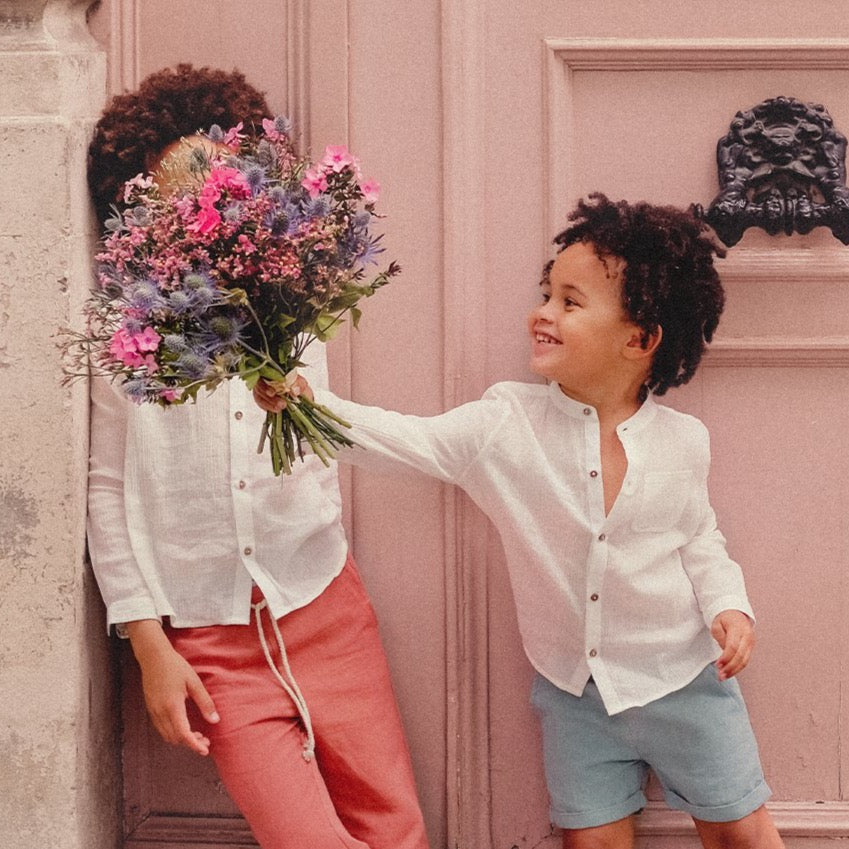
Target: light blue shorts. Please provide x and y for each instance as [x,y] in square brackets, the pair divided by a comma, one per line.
[697,740]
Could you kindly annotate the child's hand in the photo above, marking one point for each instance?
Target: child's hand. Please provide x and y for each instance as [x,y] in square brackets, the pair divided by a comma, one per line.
[168,681]
[267,394]
[734,632]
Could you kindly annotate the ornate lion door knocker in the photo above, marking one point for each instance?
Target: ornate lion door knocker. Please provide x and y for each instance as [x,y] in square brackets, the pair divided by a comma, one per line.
[781,168]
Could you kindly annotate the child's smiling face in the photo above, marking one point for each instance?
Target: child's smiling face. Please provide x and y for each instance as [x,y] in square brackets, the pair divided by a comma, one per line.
[579,330]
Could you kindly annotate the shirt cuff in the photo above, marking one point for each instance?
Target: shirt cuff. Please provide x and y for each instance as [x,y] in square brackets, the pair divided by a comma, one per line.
[119,613]
[727,603]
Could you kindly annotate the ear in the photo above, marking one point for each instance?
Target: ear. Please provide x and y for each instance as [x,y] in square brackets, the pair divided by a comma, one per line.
[642,344]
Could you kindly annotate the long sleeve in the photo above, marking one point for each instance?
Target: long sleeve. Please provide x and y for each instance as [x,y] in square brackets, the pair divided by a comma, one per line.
[120,580]
[717,579]
[442,446]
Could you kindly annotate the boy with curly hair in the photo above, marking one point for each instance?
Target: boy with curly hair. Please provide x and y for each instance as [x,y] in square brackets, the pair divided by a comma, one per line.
[631,611]
[256,640]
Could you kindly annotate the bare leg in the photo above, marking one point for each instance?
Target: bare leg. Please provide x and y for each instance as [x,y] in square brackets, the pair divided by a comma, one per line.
[756,831]
[614,835]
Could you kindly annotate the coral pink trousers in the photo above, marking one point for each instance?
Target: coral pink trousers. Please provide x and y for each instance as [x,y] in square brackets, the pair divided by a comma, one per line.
[357,791]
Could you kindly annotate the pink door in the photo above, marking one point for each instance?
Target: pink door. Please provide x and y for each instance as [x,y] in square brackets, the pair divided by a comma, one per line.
[485,120]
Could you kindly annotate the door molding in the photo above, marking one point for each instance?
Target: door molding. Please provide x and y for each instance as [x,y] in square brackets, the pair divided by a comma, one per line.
[562,57]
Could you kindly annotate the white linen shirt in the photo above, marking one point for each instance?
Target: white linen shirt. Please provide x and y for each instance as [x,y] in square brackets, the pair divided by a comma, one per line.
[184,515]
[626,598]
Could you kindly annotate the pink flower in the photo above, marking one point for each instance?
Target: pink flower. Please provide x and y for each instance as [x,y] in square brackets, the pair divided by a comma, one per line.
[138,182]
[126,347]
[270,129]
[233,137]
[314,182]
[147,340]
[207,220]
[170,395]
[224,177]
[337,158]
[370,190]
[246,244]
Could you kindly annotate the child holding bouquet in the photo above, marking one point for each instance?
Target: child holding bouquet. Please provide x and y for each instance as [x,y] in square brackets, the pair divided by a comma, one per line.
[256,640]
[621,578]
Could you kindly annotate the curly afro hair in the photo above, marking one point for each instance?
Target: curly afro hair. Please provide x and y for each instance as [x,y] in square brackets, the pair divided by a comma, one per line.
[168,105]
[669,279]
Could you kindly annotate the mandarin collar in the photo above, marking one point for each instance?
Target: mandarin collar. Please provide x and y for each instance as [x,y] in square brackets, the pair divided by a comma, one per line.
[579,410]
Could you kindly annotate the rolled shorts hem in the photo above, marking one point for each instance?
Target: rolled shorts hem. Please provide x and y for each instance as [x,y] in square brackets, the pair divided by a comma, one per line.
[600,816]
[722,813]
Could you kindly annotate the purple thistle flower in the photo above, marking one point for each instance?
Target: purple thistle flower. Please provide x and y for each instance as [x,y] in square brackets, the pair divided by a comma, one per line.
[255,178]
[283,125]
[266,154]
[138,216]
[201,288]
[222,331]
[137,389]
[280,195]
[145,296]
[180,301]
[132,326]
[317,207]
[175,342]
[194,364]
[233,213]
[215,134]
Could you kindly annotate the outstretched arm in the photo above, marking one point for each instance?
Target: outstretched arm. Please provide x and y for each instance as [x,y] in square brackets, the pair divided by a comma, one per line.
[442,446]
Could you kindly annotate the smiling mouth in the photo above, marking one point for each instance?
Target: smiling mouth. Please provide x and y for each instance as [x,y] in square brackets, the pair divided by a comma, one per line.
[545,339]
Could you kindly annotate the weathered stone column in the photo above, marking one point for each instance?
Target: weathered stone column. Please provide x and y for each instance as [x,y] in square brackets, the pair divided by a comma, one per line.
[58,773]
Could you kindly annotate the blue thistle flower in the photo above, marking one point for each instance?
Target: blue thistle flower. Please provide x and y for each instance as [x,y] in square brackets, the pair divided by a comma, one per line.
[180,301]
[283,125]
[138,216]
[145,296]
[194,364]
[280,195]
[233,213]
[222,331]
[175,342]
[361,221]
[198,279]
[370,250]
[132,325]
[201,287]
[255,178]
[317,207]
[266,153]
[215,134]
[294,217]
[137,389]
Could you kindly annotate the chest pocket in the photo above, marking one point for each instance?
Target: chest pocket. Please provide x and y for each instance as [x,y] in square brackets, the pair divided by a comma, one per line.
[662,501]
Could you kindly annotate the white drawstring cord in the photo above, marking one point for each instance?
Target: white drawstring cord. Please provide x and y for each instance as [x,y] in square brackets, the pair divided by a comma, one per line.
[290,686]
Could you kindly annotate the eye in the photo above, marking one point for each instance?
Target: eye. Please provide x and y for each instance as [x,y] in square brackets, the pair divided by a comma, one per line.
[546,297]
[569,302]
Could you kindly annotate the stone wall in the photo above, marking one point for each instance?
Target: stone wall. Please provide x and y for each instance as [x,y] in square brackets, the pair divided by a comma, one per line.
[59,776]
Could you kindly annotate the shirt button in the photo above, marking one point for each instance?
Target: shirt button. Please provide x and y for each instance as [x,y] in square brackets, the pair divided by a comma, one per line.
[249,551]
[587,411]
[594,597]
[242,484]
[593,652]
[593,474]
[602,537]
[239,415]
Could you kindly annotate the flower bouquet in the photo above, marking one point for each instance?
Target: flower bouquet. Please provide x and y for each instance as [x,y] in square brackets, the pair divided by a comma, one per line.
[258,253]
